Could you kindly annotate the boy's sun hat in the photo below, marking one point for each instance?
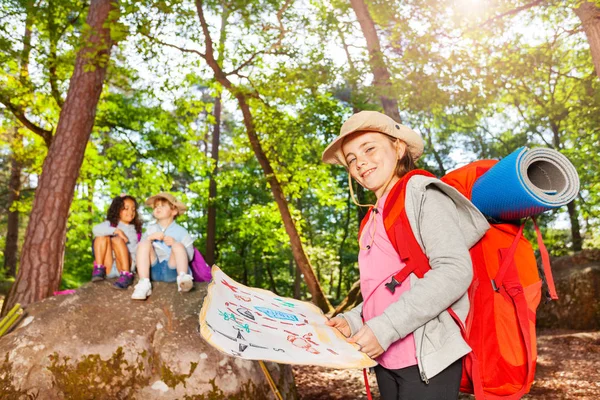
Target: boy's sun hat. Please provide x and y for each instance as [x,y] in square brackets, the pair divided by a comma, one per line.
[372,121]
[170,198]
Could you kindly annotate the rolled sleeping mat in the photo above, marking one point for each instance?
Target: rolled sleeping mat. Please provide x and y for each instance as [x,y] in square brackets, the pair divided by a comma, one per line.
[525,183]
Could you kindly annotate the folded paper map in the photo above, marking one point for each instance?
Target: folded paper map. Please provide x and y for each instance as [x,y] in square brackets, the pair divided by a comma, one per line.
[256,324]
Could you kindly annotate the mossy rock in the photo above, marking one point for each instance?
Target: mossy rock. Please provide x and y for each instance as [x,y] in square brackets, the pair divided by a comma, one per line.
[100,344]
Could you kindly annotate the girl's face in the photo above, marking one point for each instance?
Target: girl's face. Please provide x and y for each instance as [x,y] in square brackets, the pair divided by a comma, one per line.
[372,158]
[127,213]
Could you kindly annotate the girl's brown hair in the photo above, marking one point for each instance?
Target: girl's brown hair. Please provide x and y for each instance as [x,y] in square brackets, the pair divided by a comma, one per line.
[118,203]
[406,163]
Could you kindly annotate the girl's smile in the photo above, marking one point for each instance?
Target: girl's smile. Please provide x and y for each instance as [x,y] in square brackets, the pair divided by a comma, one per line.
[372,159]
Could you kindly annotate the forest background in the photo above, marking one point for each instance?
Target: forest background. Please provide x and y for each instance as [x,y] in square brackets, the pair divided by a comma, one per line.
[231,103]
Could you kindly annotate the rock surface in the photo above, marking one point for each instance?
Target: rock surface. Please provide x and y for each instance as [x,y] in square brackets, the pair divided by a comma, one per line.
[577,280]
[100,344]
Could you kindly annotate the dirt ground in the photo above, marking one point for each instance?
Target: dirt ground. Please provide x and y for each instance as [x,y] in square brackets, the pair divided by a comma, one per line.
[568,367]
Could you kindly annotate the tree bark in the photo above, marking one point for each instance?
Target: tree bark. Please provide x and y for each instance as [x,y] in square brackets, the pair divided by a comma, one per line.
[589,14]
[43,251]
[575,228]
[12,230]
[318,297]
[211,225]
[382,80]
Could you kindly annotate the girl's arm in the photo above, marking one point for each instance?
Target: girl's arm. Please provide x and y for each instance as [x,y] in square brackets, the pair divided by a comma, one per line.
[103,229]
[447,281]
[354,318]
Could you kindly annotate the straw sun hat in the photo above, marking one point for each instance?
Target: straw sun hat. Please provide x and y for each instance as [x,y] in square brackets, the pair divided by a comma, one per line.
[181,208]
[372,121]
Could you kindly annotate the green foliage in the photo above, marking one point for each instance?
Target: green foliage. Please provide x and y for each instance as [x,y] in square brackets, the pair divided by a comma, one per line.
[474,84]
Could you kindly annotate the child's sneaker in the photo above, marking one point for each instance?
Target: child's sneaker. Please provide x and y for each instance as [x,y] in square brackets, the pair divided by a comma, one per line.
[185,282]
[99,273]
[142,290]
[124,281]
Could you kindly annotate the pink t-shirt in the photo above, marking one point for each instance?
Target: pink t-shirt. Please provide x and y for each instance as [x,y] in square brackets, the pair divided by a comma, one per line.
[377,265]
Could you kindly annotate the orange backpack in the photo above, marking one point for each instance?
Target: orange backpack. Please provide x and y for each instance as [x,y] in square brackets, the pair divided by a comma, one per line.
[504,293]
[504,296]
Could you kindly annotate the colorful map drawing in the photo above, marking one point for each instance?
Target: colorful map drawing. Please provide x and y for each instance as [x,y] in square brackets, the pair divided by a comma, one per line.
[256,324]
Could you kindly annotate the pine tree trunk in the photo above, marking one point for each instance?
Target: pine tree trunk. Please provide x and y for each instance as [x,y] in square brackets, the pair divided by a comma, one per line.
[12,230]
[43,251]
[589,14]
[382,80]
[318,297]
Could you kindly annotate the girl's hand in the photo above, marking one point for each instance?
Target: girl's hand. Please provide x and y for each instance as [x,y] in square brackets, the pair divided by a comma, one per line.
[340,324]
[156,236]
[122,235]
[367,341]
[169,241]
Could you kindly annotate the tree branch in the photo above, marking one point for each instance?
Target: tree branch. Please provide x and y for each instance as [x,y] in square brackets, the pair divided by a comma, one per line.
[20,115]
[182,49]
[513,12]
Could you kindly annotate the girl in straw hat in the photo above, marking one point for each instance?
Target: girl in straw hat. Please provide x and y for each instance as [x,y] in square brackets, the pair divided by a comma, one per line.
[407,328]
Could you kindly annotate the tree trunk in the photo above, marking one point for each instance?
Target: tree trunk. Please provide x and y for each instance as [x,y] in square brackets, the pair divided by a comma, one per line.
[575,228]
[382,80]
[43,251]
[271,279]
[297,283]
[353,299]
[341,248]
[318,297]
[211,225]
[436,155]
[12,230]
[589,14]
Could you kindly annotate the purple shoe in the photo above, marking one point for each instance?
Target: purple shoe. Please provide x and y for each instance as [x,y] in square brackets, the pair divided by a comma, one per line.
[124,281]
[99,273]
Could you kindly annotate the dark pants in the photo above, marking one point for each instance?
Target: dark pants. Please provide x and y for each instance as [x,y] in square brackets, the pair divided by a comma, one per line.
[405,383]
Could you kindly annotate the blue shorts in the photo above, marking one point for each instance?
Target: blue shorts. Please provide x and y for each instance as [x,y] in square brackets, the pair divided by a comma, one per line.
[160,271]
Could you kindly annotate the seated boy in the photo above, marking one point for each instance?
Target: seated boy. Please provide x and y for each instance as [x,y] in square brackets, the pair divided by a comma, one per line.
[165,250]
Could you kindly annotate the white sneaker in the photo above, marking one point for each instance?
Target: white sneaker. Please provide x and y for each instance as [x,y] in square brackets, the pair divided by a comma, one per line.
[185,282]
[142,290]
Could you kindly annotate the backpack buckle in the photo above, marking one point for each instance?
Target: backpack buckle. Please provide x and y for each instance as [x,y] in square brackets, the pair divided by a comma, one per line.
[494,285]
[392,284]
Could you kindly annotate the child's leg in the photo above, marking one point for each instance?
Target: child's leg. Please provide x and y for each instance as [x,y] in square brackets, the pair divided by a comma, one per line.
[179,258]
[144,258]
[121,254]
[103,251]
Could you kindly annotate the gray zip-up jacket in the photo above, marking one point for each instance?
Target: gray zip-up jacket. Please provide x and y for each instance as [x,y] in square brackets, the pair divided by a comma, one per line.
[446,225]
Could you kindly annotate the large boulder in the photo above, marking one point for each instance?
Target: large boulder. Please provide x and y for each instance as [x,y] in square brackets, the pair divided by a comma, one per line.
[100,344]
[577,280]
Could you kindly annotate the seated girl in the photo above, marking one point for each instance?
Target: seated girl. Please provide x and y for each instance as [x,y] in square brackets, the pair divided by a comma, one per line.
[115,242]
